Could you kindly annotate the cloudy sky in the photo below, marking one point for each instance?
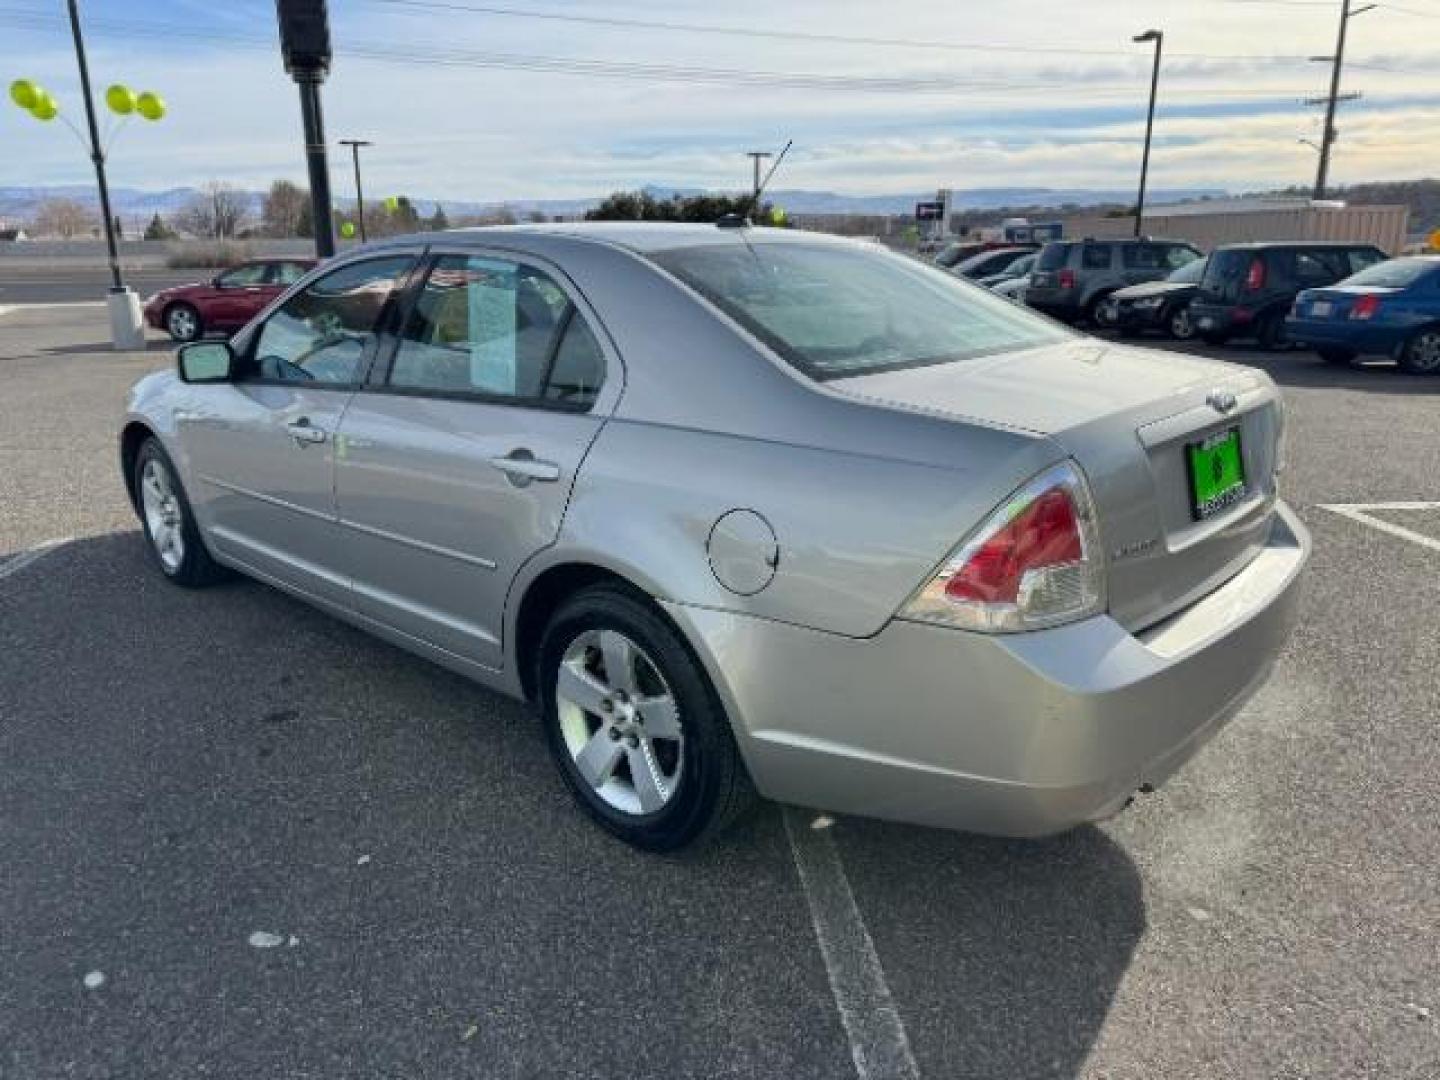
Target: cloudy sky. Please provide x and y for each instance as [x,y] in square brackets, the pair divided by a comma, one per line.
[477,100]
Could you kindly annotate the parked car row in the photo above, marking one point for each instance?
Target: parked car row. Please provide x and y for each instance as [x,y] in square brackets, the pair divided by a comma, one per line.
[1343,300]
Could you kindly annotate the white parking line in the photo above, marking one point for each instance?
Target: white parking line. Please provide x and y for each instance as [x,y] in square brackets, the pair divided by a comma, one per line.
[878,1043]
[1361,512]
[29,556]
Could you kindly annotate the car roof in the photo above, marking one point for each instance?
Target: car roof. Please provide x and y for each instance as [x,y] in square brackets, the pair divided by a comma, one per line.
[644,237]
[1267,245]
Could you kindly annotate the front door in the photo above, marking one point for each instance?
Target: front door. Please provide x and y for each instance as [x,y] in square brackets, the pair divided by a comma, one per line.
[261,450]
[237,295]
[456,462]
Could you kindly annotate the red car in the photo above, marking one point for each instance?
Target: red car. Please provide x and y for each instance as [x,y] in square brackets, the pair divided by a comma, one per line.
[227,301]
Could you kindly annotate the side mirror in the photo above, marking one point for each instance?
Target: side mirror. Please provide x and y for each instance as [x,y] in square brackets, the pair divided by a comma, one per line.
[206,362]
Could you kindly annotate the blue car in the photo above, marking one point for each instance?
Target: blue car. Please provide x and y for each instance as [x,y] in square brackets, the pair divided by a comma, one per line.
[1389,309]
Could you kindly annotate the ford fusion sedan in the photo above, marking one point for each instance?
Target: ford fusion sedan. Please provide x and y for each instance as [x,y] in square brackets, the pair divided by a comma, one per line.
[226,302]
[1390,309]
[746,510]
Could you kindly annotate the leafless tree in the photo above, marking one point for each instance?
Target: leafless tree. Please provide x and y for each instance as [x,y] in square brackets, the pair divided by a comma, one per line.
[284,209]
[65,218]
[216,212]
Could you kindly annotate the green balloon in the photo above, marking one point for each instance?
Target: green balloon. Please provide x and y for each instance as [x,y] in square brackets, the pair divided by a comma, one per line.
[347,230]
[392,203]
[121,99]
[25,93]
[46,108]
[150,105]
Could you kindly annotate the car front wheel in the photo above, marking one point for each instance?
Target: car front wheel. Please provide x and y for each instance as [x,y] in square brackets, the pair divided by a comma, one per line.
[169,522]
[182,322]
[634,725]
[1421,355]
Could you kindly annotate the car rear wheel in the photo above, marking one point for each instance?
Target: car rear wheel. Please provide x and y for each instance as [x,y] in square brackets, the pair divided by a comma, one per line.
[168,521]
[1338,357]
[1179,324]
[1270,332]
[183,323]
[634,725]
[1421,355]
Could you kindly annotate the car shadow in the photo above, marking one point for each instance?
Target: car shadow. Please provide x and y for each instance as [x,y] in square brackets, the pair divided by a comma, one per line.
[1003,956]
[152,345]
[229,760]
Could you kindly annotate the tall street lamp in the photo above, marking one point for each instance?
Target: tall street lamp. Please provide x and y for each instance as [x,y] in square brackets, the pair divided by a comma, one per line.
[355,145]
[1158,37]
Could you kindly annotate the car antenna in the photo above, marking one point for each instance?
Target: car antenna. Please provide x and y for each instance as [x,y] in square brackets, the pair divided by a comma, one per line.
[741,218]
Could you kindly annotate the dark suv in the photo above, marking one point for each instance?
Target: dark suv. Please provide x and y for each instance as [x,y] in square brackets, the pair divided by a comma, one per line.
[1247,289]
[1073,278]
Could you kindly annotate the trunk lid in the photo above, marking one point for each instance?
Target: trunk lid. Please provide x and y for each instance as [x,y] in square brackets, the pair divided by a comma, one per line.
[1336,301]
[1127,415]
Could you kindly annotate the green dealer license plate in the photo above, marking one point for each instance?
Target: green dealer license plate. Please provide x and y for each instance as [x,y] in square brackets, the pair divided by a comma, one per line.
[1217,473]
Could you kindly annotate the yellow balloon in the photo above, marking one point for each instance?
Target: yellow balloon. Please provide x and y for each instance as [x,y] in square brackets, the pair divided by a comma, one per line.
[121,99]
[46,108]
[347,230]
[25,93]
[150,105]
[392,203]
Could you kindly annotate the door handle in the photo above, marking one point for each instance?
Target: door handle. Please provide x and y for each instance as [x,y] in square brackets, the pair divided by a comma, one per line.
[302,431]
[522,467]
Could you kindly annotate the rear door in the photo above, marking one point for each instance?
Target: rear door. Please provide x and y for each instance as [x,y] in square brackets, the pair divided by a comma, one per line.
[261,450]
[456,461]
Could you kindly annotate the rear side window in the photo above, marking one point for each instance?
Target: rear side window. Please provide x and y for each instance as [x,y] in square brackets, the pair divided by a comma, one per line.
[1360,258]
[1315,268]
[1096,257]
[1053,257]
[324,334]
[495,328]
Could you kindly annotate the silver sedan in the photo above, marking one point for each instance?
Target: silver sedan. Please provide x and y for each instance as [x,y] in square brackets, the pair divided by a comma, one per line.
[742,509]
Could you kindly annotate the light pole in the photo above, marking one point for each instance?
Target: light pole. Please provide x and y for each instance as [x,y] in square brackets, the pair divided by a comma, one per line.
[355,145]
[305,48]
[126,329]
[1158,37]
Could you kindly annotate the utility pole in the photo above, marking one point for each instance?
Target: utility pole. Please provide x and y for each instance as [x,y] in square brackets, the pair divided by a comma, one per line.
[757,156]
[355,145]
[1337,62]
[1158,37]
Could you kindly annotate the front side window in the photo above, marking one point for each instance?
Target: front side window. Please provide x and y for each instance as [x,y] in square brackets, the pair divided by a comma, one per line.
[495,328]
[325,333]
[836,311]
[1142,256]
[250,274]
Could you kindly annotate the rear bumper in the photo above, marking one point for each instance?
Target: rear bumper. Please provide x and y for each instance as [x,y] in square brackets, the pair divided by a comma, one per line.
[1221,319]
[1018,735]
[1375,340]
[1063,304]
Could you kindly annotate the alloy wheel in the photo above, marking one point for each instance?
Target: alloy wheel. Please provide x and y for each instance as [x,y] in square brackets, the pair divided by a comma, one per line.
[620,722]
[1181,328]
[1424,352]
[181,323]
[164,519]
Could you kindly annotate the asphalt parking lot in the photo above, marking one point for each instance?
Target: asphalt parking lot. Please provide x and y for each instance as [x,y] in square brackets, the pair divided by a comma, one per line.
[240,839]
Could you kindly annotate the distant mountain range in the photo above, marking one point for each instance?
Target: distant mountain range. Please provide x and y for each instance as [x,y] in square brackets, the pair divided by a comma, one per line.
[19,203]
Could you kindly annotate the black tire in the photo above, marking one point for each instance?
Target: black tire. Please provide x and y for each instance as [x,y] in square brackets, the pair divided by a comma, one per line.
[194,568]
[1178,323]
[1337,357]
[183,323]
[1092,312]
[1270,332]
[1421,354]
[713,787]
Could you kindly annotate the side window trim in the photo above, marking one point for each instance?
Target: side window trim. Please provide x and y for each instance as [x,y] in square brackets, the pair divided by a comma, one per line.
[319,273]
[378,380]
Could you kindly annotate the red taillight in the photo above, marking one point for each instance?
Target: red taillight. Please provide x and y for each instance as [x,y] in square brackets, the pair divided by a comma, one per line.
[1067,279]
[1365,307]
[1255,278]
[1035,562]
[1045,534]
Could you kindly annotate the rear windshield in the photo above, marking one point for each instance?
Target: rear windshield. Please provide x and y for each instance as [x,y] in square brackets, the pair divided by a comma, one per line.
[852,310]
[1227,265]
[1395,274]
[1053,257]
